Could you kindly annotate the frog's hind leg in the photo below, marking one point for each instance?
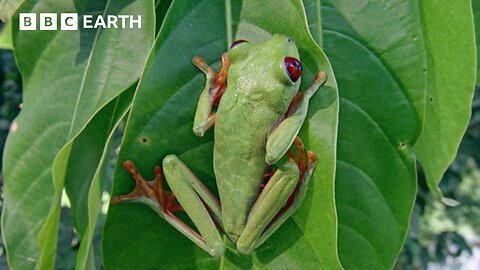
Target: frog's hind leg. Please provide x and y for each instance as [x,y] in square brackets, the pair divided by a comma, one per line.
[215,86]
[281,196]
[195,199]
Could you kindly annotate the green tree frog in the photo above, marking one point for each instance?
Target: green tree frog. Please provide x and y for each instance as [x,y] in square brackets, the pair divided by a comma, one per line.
[257,111]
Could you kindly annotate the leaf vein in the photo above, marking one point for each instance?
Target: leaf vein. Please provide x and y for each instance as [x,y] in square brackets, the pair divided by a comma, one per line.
[380,61]
[372,184]
[362,111]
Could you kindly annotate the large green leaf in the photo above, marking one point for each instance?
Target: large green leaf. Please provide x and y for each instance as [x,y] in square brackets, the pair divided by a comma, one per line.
[68,77]
[376,49]
[160,123]
[312,10]
[86,171]
[450,42]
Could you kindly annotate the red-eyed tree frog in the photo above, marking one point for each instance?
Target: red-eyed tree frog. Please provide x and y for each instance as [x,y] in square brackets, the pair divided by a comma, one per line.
[257,111]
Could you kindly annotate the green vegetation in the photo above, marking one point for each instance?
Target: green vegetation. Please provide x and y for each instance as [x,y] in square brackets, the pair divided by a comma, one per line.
[385,127]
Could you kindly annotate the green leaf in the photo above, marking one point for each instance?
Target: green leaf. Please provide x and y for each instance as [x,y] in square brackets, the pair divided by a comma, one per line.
[160,123]
[68,76]
[86,170]
[377,52]
[476,18]
[6,41]
[449,40]
[8,8]
[161,8]
[312,10]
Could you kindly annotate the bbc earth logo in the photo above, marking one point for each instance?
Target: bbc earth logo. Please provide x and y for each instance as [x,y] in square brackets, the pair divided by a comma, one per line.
[70,21]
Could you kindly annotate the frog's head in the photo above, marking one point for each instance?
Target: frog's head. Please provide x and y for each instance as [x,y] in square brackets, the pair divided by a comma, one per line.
[273,65]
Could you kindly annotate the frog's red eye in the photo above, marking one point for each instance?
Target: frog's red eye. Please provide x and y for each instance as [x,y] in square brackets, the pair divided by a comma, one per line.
[293,68]
[236,42]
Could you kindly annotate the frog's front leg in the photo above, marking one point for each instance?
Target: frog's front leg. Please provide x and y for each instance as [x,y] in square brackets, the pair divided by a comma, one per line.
[283,135]
[215,86]
[195,199]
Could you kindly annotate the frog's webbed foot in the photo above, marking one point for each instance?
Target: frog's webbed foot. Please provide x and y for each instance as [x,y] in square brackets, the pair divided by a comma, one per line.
[306,169]
[304,166]
[199,203]
[215,86]
[151,190]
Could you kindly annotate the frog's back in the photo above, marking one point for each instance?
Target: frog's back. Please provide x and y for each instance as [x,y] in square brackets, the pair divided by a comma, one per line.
[258,93]
[239,158]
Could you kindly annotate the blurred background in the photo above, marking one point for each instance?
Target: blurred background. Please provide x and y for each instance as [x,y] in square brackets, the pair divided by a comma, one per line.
[443,234]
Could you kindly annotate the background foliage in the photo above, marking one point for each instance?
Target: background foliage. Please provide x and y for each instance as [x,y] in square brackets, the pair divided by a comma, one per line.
[382,95]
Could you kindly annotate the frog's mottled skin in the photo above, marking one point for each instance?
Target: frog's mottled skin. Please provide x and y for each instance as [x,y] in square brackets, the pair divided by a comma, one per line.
[258,93]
